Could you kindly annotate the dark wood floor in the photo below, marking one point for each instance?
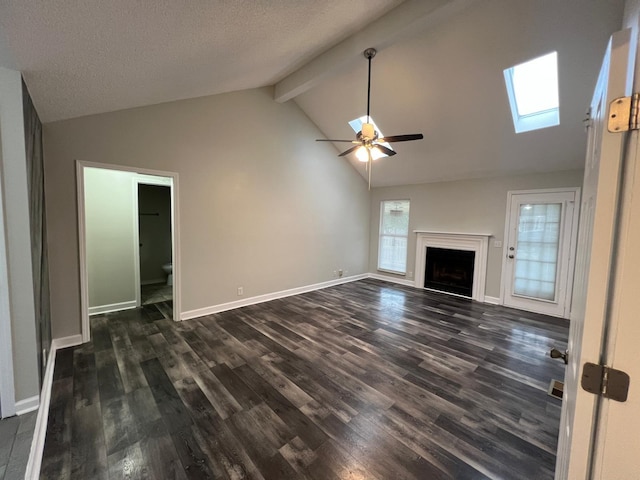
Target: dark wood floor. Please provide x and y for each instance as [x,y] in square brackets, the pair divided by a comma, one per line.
[366,380]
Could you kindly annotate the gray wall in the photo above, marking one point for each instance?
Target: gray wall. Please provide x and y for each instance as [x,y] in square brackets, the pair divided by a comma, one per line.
[262,205]
[18,237]
[154,207]
[110,233]
[467,206]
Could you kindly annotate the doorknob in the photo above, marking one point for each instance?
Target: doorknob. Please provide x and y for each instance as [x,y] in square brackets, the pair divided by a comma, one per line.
[555,353]
[511,256]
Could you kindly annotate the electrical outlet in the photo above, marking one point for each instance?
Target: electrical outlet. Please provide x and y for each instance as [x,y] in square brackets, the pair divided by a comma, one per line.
[497,243]
[335,273]
[410,274]
[340,273]
[240,291]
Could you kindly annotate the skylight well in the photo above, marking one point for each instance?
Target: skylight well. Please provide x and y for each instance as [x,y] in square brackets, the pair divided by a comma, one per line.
[356,125]
[533,93]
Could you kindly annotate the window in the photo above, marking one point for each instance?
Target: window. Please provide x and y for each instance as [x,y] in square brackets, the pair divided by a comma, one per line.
[394,233]
[532,88]
[356,125]
[538,245]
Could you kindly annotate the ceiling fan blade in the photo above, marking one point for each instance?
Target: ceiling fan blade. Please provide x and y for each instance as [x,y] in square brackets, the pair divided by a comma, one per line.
[402,138]
[385,150]
[333,140]
[348,151]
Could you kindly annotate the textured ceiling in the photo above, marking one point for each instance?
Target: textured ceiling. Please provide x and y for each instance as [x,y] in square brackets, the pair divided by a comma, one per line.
[440,75]
[447,83]
[84,57]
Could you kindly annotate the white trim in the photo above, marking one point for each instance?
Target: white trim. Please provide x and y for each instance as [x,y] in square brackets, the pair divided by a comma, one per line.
[137,181]
[27,405]
[223,307]
[7,387]
[466,234]
[492,300]
[82,252]
[82,248]
[113,307]
[388,278]
[201,312]
[136,242]
[380,235]
[475,242]
[40,431]
[65,342]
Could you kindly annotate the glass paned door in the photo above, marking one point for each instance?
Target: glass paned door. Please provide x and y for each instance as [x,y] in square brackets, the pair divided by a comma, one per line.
[536,264]
[539,245]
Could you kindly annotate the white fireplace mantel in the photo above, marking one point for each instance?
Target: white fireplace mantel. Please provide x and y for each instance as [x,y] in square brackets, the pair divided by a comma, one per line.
[475,242]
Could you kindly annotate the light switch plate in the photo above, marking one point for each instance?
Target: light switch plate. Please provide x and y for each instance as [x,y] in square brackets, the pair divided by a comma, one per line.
[497,243]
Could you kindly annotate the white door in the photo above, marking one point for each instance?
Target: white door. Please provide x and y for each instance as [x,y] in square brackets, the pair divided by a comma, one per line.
[540,241]
[593,276]
[617,445]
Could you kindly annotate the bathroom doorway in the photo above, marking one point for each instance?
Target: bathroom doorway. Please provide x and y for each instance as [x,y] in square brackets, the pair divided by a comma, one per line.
[154,240]
[126,238]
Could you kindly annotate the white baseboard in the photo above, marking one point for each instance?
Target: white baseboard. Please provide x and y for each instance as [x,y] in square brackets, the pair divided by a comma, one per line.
[390,278]
[201,312]
[114,307]
[65,342]
[27,405]
[40,432]
[492,300]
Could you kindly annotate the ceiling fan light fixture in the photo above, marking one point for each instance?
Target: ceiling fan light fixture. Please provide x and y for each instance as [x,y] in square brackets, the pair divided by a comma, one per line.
[362,154]
[368,146]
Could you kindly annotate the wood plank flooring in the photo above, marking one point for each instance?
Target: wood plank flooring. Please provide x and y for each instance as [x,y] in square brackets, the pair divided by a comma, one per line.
[16,435]
[366,380]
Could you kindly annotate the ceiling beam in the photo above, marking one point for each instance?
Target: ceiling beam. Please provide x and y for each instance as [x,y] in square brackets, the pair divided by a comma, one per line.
[407,19]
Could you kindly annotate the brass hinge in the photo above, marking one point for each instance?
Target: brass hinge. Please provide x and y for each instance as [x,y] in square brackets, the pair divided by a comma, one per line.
[605,381]
[587,122]
[623,114]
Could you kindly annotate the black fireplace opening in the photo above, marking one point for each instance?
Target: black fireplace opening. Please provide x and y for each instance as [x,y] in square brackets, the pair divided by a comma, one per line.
[450,270]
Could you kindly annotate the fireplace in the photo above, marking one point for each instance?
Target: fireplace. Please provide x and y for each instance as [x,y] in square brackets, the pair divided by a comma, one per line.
[449,270]
[476,244]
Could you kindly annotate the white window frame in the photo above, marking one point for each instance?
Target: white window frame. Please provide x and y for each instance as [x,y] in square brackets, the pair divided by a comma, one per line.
[381,235]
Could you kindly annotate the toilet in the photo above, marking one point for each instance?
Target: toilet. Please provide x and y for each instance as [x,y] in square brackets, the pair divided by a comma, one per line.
[168,269]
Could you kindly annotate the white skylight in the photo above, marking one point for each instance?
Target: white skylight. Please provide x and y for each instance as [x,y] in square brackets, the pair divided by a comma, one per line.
[356,125]
[533,93]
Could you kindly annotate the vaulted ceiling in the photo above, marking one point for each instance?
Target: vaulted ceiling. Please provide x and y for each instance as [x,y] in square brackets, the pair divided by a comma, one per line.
[438,70]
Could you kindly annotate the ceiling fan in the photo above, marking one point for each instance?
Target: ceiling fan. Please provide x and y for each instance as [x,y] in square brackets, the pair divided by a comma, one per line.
[367,139]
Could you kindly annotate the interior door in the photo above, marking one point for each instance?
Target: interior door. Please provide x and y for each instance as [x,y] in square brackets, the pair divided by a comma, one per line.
[541,234]
[618,431]
[592,281]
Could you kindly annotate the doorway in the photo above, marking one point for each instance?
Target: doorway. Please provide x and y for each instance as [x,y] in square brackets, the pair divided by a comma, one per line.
[155,267]
[108,218]
[540,242]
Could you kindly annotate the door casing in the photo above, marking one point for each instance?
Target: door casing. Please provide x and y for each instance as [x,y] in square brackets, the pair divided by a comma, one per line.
[137,181]
[82,242]
[566,265]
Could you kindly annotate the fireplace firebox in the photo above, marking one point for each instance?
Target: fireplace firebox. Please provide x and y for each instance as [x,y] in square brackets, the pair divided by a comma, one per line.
[450,270]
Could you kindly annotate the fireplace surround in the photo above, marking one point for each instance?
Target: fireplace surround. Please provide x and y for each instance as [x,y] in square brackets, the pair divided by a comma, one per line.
[478,243]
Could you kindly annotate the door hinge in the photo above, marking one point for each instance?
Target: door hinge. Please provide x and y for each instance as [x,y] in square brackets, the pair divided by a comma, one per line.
[605,381]
[623,114]
[587,122]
